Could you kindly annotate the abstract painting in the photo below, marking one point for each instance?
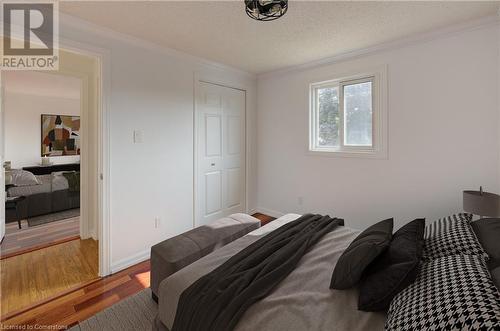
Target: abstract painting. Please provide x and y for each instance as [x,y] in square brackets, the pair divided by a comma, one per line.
[60,135]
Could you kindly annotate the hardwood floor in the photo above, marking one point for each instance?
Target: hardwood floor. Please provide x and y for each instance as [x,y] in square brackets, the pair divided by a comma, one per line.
[18,241]
[38,275]
[264,219]
[81,303]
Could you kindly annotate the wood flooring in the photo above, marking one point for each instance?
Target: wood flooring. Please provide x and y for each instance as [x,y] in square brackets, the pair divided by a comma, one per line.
[82,303]
[38,275]
[18,241]
[264,219]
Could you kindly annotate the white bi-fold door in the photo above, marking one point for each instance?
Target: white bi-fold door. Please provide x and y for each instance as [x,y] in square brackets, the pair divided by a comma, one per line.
[220,182]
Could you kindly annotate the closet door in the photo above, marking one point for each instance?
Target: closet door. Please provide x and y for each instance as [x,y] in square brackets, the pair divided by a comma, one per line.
[220,182]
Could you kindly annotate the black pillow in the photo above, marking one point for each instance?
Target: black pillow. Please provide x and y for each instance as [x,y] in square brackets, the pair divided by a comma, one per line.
[487,231]
[360,253]
[394,269]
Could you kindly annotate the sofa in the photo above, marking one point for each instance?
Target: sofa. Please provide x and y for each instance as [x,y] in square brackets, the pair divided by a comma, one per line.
[45,194]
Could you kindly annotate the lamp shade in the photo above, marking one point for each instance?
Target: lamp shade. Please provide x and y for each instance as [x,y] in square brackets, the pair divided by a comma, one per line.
[482,203]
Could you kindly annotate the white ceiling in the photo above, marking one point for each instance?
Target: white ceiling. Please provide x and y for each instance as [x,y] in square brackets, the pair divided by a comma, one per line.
[41,84]
[310,31]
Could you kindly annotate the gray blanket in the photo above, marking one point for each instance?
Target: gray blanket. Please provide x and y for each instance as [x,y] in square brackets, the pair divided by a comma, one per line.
[302,301]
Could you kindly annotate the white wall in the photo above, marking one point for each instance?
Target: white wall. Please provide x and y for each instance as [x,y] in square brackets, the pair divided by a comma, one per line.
[443,135]
[152,91]
[23,128]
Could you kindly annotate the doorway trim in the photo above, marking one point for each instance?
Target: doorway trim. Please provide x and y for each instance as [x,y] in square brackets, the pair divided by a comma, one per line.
[197,79]
[103,144]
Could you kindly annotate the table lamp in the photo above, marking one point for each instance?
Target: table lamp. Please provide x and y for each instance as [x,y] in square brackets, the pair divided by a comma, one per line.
[482,203]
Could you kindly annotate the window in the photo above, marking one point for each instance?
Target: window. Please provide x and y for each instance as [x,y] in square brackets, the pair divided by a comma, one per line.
[347,116]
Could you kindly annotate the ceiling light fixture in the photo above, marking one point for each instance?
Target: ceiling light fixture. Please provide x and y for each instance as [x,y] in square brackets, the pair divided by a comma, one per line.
[266,10]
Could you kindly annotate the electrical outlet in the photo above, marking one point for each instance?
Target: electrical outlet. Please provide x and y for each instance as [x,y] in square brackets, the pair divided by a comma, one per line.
[138,137]
[157,222]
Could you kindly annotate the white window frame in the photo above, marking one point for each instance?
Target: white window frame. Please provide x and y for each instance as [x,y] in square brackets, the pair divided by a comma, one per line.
[378,149]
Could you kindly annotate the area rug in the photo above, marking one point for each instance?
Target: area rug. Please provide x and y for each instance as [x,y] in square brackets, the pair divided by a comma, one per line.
[136,313]
[44,219]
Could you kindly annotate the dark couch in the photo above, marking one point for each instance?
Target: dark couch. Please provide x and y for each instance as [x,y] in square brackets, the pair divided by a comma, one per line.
[49,202]
[44,203]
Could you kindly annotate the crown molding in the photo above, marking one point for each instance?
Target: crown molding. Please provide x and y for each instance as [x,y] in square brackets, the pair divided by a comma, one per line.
[445,32]
[83,25]
[40,94]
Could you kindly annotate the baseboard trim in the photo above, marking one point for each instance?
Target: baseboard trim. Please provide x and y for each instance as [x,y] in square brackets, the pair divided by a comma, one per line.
[252,211]
[130,261]
[269,212]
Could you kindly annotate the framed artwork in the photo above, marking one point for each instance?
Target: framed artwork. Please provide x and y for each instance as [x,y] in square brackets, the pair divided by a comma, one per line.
[60,135]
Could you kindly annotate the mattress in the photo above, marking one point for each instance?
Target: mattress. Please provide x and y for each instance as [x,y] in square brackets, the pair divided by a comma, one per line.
[303,301]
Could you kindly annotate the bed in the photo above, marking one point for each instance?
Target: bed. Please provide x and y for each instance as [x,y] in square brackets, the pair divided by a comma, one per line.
[304,301]
[288,307]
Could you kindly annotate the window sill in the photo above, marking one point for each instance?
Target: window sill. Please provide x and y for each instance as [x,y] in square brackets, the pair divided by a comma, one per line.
[363,154]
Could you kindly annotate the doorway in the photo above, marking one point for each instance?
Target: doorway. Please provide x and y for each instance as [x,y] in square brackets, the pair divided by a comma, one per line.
[49,270]
[220,152]
[42,143]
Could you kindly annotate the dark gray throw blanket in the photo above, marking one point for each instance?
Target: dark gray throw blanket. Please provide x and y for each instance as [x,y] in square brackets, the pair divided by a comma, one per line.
[219,299]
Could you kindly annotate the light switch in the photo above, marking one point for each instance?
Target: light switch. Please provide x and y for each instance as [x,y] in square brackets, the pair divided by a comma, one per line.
[138,137]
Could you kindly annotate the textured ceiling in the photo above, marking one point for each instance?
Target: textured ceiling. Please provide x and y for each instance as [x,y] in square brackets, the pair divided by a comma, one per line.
[41,84]
[221,31]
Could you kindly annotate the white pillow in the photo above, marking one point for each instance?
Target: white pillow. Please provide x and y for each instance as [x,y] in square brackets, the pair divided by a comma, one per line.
[24,178]
[59,182]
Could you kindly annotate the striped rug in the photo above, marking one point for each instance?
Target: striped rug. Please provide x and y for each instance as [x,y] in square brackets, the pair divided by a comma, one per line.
[135,313]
